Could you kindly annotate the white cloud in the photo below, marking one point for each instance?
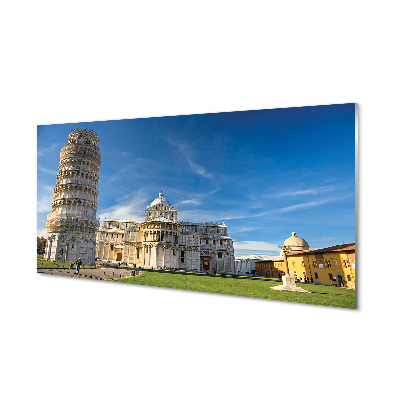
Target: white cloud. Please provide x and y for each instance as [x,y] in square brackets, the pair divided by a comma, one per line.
[211,216]
[255,246]
[45,197]
[296,193]
[47,171]
[42,232]
[128,207]
[308,205]
[313,191]
[120,172]
[48,149]
[193,202]
[186,150]
[295,207]
[194,215]
[243,229]
[198,169]
[301,205]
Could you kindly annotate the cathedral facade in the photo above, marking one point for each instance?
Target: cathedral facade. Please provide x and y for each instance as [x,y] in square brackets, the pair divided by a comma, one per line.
[160,241]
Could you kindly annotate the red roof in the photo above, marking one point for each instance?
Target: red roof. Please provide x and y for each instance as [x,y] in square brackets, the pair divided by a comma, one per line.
[259,261]
[339,247]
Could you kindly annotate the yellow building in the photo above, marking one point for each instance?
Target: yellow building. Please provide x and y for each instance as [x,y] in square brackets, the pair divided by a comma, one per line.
[327,265]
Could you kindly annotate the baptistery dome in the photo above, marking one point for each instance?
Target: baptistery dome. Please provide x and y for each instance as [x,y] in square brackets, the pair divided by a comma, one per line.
[296,243]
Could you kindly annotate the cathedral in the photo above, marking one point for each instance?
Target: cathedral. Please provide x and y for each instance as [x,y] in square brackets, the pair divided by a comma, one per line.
[160,241]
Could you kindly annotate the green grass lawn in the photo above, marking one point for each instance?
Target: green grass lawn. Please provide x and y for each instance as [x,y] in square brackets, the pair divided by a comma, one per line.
[42,264]
[242,286]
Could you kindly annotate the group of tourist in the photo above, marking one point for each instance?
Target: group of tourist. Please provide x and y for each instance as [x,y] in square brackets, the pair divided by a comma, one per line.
[306,280]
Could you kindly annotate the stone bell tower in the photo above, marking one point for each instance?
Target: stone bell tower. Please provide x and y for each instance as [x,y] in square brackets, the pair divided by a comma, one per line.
[72,225]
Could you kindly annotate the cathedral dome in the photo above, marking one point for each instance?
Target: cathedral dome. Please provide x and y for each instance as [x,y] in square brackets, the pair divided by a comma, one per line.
[160,199]
[296,243]
[160,210]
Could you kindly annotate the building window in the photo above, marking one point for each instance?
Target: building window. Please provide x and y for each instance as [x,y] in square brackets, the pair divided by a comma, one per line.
[206,241]
[111,247]
[329,264]
[316,275]
[315,264]
[330,277]
[182,256]
[219,255]
[348,278]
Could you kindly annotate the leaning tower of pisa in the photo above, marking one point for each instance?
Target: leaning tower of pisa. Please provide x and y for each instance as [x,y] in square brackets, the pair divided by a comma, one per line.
[72,224]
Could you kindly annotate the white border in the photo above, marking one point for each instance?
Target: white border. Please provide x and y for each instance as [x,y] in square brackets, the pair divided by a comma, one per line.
[95,62]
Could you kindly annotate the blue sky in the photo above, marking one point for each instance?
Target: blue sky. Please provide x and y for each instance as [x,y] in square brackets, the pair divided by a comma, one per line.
[265,172]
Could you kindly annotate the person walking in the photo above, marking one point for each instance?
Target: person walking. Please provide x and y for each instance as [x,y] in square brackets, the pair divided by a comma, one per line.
[78,265]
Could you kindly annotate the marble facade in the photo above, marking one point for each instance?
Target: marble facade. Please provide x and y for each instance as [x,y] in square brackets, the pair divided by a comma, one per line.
[160,241]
